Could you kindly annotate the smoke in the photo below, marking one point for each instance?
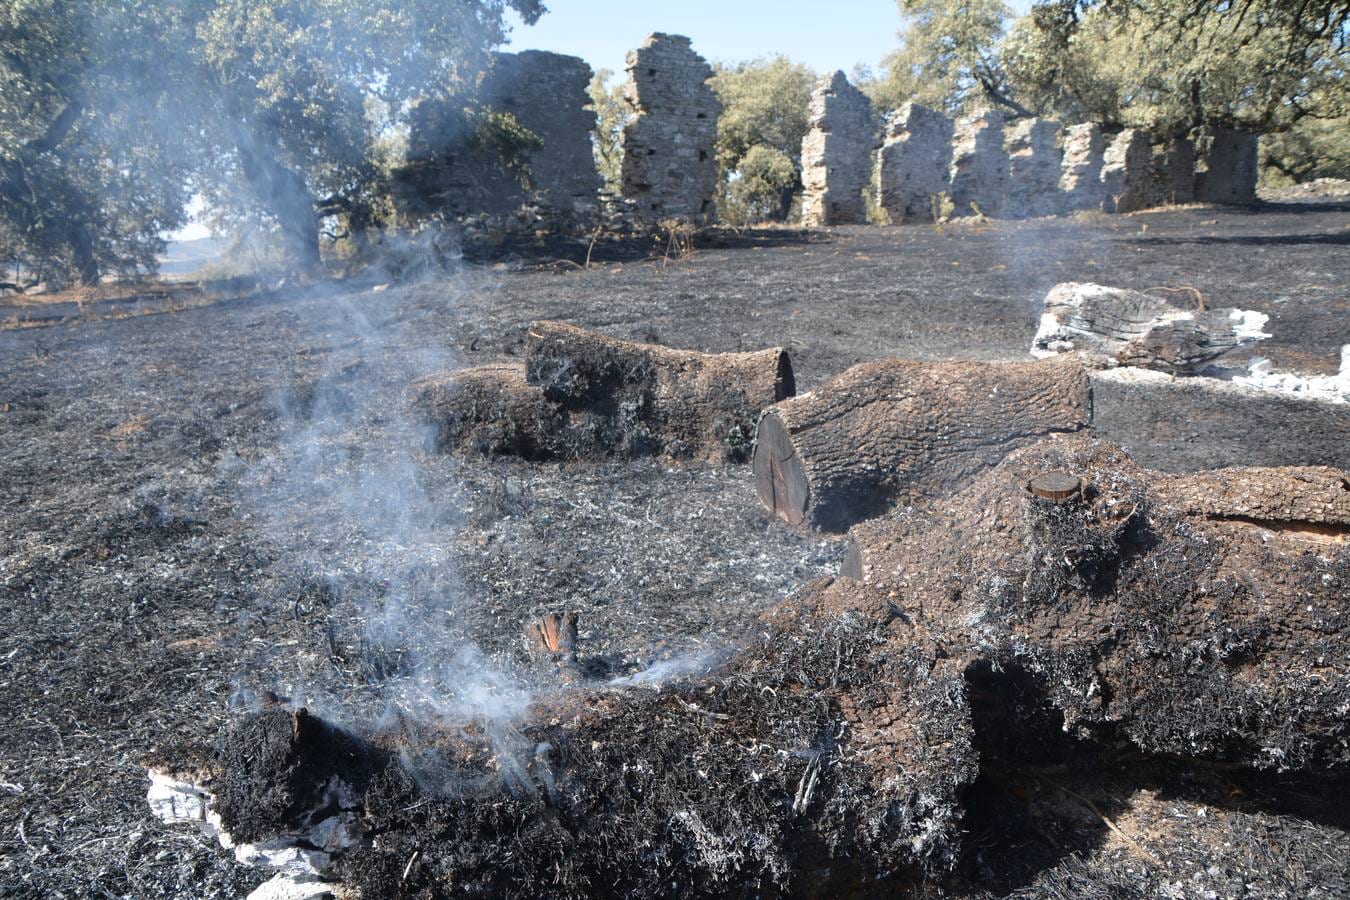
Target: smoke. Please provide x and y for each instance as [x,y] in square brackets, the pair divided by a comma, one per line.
[349,507]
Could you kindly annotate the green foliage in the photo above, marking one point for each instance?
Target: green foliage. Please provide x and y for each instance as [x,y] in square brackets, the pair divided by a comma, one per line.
[276,110]
[1259,65]
[1312,148]
[499,135]
[948,56]
[765,103]
[761,189]
[611,111]
[1179,63]
[91,169]
[765,114]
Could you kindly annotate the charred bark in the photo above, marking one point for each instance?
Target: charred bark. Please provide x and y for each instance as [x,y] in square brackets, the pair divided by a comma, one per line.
[834,748]
[490,411]
[641,399]
[894,432]
[1201,615]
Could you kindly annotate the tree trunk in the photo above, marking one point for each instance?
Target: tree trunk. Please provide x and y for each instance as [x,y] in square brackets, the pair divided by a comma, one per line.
[284,194]
[893,432]
[638,399]
[489,410]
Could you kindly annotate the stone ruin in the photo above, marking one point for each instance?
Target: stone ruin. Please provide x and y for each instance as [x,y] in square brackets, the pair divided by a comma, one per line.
[449,171]
[1174,170]
[669,164]
[1127,173]
[913,163]
[837,154]
[1022,168]
[979,174]
[1080,181]
[1225,166]
[1033,168]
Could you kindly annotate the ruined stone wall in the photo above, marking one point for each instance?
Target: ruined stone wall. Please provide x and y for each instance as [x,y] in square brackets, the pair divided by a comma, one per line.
[449,171]
[837,154]
[1080,182]
[1226,166]
[669,165]
[1174,169]
[1127,173]
[1033,168]
[979,173]
[914,163]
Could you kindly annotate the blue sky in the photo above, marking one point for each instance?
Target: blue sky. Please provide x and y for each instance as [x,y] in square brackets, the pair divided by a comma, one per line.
[824,34]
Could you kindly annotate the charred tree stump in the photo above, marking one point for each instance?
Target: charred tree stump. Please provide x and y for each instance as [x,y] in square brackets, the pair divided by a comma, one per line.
[894,432]
[1202,615]
[489,410]
[640,399]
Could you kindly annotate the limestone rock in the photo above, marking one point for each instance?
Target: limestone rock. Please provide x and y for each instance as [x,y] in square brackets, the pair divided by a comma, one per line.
[1226,166]
[1033,168]
[1127,183]
[979,173]
[836,154]
[669,164]
[1080,177]
[913,165]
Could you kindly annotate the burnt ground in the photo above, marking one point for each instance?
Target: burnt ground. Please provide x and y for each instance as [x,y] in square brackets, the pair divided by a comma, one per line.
[202,501]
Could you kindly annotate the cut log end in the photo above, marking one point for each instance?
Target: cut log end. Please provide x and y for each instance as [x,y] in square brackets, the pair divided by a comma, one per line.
[779,479]
[1060,487]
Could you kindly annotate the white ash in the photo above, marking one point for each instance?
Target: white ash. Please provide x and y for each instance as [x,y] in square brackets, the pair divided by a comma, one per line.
[1261,375]
[301,858]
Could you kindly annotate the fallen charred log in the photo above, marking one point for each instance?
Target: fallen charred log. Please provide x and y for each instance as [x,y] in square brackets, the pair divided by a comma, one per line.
[490,411]
[895,432]
[1202,615]
[581,395]
[828,753]
[639,399]
[1131,328]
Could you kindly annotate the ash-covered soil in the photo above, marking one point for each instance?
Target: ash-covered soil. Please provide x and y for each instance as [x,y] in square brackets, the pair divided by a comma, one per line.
[204,502]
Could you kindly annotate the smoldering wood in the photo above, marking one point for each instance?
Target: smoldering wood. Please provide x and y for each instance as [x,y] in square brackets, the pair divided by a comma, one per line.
[641,399]
[489,410]
[894,432]
[843,729]
[1201,615]
[1132,328]
[846,719]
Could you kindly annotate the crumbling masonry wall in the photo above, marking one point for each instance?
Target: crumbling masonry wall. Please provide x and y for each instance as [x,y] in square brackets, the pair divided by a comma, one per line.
[669,167]
[1127,176]
[1225,166]
[1174,169]
[1080,177]
[1033,168]
[979,165]
[837,154]
[449,171]
[914,163]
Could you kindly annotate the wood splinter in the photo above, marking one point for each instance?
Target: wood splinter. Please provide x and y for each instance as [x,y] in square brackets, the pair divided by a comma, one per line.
[553,635]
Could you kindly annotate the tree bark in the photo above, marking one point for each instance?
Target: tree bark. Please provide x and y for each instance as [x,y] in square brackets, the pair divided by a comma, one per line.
[893,432]
[489,411]
[639,399]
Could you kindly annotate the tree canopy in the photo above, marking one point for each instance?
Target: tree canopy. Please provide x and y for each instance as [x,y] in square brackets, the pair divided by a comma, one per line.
[113,110]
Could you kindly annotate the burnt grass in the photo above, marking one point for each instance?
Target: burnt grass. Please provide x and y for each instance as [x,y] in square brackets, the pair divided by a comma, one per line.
[203,502]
